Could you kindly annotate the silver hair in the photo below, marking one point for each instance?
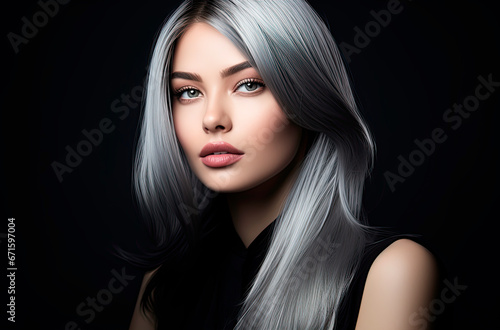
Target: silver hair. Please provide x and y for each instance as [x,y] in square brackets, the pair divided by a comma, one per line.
[318,239]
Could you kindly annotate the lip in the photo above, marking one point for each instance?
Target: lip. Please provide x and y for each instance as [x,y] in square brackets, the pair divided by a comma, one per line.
[230,156]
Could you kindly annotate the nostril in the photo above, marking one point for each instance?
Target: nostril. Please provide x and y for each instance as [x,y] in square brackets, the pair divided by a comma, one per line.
[210,128]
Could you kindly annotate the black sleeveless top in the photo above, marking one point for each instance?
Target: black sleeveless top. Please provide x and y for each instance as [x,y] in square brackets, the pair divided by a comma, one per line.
[208,293]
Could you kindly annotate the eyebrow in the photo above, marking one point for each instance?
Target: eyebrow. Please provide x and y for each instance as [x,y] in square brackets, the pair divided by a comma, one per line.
[235,69]
[224,73]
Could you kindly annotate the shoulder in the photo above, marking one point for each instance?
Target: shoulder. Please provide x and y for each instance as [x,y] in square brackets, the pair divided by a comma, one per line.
[141,320]
[404,259]
[402,279]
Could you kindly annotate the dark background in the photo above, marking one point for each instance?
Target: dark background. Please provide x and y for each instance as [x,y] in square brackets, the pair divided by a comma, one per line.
[76,69]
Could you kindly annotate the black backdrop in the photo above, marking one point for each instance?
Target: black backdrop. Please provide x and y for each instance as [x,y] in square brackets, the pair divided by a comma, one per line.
[82,68]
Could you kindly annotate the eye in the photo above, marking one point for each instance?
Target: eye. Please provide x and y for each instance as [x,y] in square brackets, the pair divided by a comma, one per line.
[249,85]
[188,93]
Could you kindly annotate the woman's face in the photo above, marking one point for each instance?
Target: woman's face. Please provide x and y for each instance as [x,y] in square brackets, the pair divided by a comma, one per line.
[233,132]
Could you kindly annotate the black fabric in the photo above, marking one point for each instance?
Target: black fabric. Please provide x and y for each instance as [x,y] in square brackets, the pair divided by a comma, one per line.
[208,293]
[351,303]
[234,275]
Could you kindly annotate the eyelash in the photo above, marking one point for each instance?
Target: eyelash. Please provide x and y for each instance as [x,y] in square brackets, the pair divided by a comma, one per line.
[178,92]
[249,80]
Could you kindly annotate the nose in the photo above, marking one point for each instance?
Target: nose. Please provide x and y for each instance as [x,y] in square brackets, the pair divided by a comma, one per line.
[217,117]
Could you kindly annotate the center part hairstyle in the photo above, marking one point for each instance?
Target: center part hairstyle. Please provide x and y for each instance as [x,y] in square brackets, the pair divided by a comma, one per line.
[318,238]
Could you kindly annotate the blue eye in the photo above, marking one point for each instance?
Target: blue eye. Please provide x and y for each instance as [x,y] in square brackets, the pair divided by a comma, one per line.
[249,85]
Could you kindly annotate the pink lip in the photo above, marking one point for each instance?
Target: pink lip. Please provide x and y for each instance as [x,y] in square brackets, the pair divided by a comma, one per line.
[231,154]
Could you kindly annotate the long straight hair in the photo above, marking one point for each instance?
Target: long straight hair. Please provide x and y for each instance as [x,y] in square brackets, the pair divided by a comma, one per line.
[318,238]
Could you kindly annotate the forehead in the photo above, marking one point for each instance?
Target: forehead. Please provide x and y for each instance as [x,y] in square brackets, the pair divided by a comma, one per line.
[202,45]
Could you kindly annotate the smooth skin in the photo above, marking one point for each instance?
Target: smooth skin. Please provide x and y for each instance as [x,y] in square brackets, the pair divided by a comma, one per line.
[213,103]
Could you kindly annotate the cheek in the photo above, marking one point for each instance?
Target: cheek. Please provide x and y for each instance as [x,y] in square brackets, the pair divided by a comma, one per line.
[275,139]
[263,120]
[184,128]
[183,125]
[277,133]
[286,141]
[179,129]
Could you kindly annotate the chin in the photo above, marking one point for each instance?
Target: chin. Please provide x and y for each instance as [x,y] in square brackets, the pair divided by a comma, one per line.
[227,187]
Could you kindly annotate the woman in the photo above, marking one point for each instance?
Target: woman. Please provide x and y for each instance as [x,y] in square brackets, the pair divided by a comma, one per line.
[250,171]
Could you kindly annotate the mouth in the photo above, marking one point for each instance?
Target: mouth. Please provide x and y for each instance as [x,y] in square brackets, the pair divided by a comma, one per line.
[220,154]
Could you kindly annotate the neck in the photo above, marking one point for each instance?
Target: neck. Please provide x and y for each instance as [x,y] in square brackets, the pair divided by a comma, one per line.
[255,209]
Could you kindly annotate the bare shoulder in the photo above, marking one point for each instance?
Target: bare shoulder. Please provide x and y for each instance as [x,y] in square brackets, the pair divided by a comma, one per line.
[402,279]
[140,320]
[404,256]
